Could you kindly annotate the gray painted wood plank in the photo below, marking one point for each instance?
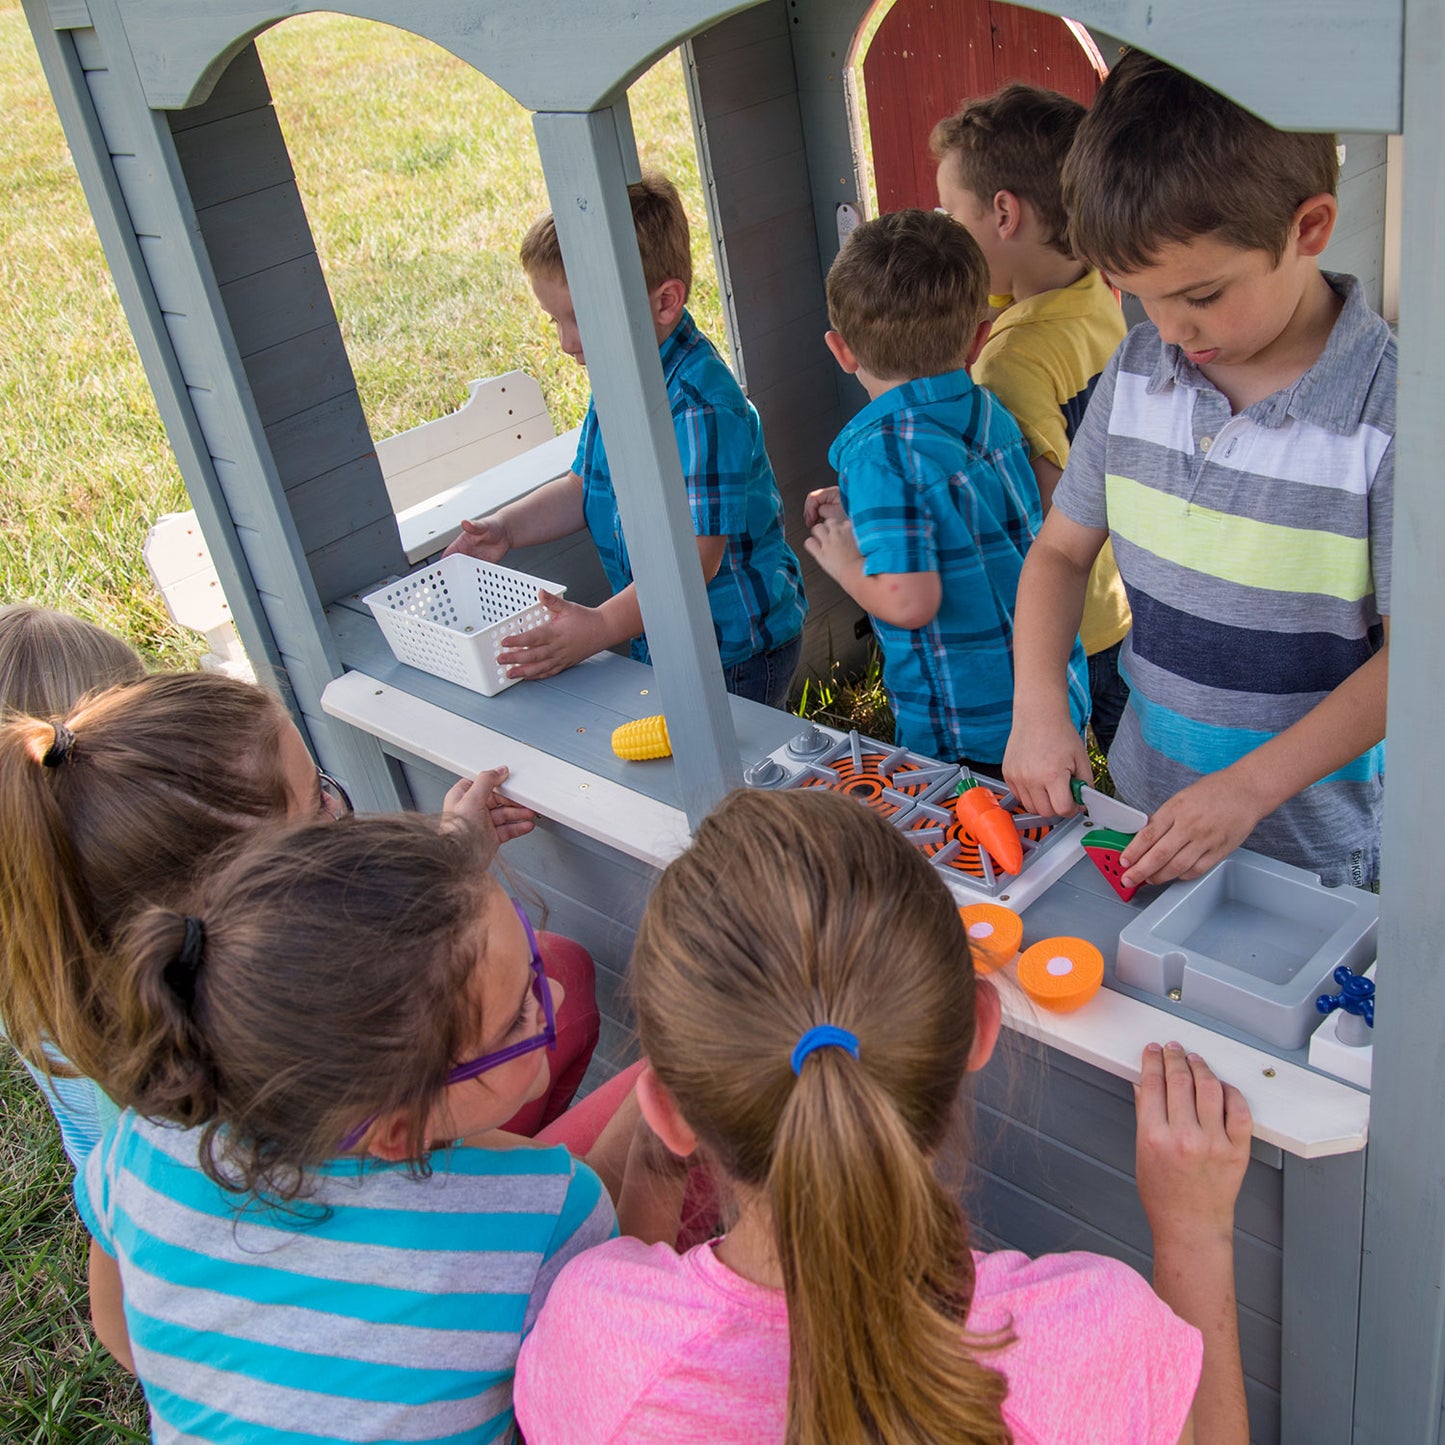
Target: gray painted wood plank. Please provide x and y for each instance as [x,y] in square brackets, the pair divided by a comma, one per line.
[320,439]
[778,298]
[88,52]
[764,191]
[69,14]
[1324,1202]
[763,131]
[256,231]
[269,307]
[1100,1120]
[339,568]
[1106,1201]
[181,48]
[299,374]
[1400,1372]
[749,27]
[746,75]
[775,242]
[796,397]
[232,157]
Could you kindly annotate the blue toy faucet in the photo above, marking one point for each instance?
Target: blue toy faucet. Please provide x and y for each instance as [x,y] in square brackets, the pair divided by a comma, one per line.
[1357,998]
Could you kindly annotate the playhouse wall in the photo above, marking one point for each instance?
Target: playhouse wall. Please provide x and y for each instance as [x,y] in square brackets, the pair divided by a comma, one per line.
[193,209]
[1358,244]
[756,162]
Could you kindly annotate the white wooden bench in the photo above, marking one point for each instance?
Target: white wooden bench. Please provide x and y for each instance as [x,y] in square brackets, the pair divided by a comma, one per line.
[498,445]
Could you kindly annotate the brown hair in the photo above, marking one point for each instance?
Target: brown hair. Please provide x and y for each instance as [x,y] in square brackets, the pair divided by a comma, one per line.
[663,240]
[791,910]
[907,293]
[149,780]
[1161,158]
[50,660]
[328,982]
[1014,140]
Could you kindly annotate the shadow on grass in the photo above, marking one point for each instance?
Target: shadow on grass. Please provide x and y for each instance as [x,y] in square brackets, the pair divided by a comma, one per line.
[57,1385]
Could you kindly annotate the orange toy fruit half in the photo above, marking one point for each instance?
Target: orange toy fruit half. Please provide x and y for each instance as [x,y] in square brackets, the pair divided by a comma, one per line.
[994,935]
[1061,974]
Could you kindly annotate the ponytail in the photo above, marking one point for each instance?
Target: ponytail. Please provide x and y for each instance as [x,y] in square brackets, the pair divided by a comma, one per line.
[165,1069]
[877,1271]
[320,976]
[789,912]
[46,924]
[115,805]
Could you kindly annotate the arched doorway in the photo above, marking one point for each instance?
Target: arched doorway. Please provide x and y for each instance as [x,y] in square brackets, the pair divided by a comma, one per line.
[929,55]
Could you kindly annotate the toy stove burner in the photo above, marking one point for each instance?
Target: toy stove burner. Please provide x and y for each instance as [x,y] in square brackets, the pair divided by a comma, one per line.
[888,779]
[1050,848]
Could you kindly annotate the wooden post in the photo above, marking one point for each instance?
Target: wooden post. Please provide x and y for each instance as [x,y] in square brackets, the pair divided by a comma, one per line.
[1401,1368]
[586,169]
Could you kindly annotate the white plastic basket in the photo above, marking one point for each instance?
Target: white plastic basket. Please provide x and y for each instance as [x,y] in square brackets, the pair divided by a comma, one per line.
[450,618]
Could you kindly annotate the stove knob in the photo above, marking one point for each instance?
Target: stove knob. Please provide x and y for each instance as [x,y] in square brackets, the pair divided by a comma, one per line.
[765,773]
[812,742]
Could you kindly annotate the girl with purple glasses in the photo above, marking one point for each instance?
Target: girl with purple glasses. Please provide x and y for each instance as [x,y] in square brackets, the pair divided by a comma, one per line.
[309,1222]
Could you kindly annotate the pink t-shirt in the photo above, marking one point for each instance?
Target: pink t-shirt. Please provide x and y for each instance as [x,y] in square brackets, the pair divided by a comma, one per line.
[640,1344]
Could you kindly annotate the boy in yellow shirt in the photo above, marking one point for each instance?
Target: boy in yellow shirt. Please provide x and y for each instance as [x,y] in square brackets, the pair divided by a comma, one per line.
[999,163]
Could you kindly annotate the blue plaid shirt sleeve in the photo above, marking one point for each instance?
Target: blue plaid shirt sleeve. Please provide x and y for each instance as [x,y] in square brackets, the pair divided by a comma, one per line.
[716,447]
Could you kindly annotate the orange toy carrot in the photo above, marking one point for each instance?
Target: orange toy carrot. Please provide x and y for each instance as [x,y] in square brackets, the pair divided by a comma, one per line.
[990,825]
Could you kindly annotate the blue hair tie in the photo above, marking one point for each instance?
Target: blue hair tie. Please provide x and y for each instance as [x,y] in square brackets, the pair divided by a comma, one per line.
[823,1036]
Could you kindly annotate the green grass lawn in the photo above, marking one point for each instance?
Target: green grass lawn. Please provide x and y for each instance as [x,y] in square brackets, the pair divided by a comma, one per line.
[419,177]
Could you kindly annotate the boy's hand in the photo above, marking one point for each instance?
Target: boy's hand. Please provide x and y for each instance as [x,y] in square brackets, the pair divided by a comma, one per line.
[1194,830]
[826,504]
[1192,1147]
[1040,760]
[835,549]
[488,540]
[478,802]
[573,634]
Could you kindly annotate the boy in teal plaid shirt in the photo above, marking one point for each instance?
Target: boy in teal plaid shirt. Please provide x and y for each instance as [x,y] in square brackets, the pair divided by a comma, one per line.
[936,503]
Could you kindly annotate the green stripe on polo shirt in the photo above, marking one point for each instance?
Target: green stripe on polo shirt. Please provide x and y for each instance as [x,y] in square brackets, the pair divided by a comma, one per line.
[1238,549]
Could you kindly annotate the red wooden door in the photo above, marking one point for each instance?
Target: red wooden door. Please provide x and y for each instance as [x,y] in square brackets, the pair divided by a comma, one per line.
[931,55]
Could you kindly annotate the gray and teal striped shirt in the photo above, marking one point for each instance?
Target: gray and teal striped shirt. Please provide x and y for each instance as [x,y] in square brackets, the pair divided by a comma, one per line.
[381,1308]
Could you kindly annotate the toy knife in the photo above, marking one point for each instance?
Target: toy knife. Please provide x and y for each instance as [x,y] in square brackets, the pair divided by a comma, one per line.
[1105,811]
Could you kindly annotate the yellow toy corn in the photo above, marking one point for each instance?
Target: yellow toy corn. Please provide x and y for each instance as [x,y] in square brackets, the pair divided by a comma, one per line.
[644,737]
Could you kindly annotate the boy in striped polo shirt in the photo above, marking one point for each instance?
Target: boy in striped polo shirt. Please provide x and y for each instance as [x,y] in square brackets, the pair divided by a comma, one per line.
[936,503]
[1239,454]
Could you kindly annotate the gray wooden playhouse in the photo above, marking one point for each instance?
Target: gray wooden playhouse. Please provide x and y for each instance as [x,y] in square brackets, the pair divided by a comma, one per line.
[1341,1247]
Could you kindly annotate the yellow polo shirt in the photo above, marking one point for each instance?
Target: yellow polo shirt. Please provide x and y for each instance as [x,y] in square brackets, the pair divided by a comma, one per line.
[1041,360]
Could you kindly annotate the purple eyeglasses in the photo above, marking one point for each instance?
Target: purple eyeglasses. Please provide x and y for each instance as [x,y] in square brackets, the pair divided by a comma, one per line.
[460,1073]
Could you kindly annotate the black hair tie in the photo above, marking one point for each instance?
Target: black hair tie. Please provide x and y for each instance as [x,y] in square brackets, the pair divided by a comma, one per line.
[59,749]
[182,970]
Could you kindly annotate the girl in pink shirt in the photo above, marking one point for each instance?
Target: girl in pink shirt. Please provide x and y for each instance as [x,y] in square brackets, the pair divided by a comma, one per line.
[808,1025]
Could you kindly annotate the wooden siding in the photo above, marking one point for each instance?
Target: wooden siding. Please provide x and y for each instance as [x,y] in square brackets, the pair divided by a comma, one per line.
[239,174]
[751,140]
[1358,243]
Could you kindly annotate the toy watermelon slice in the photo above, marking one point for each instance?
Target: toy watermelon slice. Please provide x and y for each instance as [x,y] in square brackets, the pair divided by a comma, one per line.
[1104,845]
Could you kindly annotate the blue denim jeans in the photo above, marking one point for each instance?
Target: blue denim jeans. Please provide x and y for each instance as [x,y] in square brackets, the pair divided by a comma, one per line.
[1109,693]
[766,676]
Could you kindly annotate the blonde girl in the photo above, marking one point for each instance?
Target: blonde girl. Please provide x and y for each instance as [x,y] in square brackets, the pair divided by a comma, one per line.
[806,1005]
[48,662]
[308,1227]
